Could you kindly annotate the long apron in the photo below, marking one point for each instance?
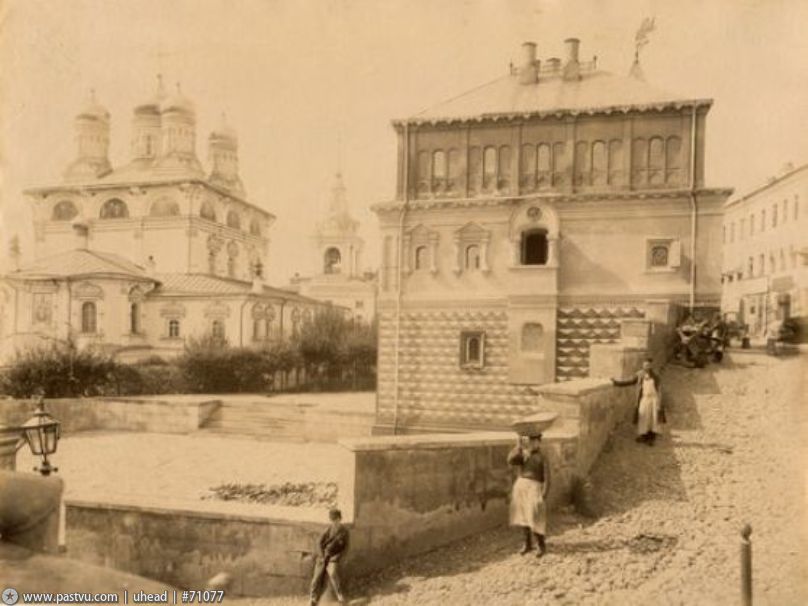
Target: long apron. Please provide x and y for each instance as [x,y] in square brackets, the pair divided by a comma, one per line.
[527,505]
[648,417]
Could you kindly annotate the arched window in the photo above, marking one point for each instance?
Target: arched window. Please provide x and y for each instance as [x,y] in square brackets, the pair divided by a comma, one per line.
[504,168]
[88,317]
[656,161]
[673,160]
[332,261]
[472,349]
[558,164]
[423,172]
[114,209]
[472,256]
[217,329]
[527,170]
[639,161]
[174,329]
[255,227]
[582,167]
[534,247]
[421,257]
[475,170]
[489,168]
[64,211]
[233,219]
[544,174]
[615,161]
[165,207]
[453,170]
[532,333]
[134,318]
[600,164]
[438,170]
[207,211]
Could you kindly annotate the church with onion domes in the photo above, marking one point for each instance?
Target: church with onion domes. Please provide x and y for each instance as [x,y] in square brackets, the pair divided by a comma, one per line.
[136,258]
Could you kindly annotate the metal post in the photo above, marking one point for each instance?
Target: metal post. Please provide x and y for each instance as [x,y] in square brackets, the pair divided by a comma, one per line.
[746,566]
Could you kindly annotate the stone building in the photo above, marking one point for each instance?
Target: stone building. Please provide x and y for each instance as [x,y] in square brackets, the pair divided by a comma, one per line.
[137,258]
[341,279]
[534,214]
[765,265]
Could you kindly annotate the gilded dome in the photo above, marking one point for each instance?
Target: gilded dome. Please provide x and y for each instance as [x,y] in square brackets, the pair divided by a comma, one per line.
[224,132]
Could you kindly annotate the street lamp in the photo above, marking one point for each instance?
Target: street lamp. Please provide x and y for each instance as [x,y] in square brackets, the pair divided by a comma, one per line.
[42,432]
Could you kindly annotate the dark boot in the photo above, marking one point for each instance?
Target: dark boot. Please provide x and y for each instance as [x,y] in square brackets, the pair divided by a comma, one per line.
[541,546]
[650,437]
[528,544]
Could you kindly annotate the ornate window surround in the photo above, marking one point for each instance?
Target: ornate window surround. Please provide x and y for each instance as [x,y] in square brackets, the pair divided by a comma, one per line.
[419,236]
[471,234]
[530,216]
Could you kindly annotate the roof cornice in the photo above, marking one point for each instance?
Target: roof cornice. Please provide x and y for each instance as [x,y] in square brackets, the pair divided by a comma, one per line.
[554,113]
[439,203]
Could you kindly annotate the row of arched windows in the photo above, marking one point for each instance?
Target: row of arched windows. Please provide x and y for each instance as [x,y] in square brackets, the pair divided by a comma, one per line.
[654,161]
[164,207]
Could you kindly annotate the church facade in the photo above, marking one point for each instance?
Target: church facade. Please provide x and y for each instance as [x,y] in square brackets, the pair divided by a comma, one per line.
[139,258]
[341,279]
[532,215]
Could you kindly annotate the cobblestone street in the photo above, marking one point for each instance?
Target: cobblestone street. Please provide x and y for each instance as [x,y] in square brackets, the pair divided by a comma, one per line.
[669,521]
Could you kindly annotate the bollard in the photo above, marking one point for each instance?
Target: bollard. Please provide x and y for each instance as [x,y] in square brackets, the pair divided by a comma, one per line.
[746,566]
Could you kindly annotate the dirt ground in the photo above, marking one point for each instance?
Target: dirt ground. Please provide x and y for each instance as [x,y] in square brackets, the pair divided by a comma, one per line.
[734,452]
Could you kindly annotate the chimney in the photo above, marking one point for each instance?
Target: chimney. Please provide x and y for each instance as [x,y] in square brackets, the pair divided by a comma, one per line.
[81,235]
[572,66]
[529,68]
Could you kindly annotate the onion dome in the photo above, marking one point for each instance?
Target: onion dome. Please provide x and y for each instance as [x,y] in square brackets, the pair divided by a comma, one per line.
[177,102]
[152,106]
[93,110]
[224,133]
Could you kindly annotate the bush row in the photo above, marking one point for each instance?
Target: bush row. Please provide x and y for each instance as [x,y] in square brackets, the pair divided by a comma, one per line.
[330,349]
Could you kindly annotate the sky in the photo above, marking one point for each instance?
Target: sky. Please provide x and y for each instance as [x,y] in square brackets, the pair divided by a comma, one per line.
[312,85]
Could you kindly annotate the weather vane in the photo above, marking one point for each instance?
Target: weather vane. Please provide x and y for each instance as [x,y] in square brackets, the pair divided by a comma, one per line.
[641,37]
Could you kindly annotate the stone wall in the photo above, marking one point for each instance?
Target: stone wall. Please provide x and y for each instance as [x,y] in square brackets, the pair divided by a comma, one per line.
[435,393]
[264,556]
[85,414]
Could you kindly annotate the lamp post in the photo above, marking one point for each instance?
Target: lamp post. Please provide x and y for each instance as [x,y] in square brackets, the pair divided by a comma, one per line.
[42,432]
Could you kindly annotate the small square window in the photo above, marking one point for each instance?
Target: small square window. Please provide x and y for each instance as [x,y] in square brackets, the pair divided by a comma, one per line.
[662,255]
[472,349]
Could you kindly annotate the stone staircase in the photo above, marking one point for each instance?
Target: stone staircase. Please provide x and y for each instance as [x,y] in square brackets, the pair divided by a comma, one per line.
[287,422]
[258,419]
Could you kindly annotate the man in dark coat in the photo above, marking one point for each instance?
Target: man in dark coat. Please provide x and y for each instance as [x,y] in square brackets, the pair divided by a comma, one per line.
[333,544]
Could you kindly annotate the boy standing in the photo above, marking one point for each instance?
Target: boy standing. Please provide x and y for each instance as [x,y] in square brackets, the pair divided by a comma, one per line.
[332,545]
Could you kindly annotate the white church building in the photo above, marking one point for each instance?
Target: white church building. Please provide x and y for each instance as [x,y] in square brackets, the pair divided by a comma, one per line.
[135,259]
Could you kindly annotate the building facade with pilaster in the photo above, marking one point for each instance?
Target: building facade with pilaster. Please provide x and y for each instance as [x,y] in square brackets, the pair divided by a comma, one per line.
[532,215]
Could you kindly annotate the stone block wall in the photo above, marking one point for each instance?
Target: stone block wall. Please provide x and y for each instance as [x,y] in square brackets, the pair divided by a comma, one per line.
[435,393]
[264,556]
[414,493]
[86,414]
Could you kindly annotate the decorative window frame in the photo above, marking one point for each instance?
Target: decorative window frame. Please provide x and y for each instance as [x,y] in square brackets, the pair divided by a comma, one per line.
[172,311]
[471,234]
[530,216]
[415,238]
[674,246]
[465,338]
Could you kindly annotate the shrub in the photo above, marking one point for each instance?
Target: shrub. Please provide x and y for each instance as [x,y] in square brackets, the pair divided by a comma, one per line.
[60,370]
